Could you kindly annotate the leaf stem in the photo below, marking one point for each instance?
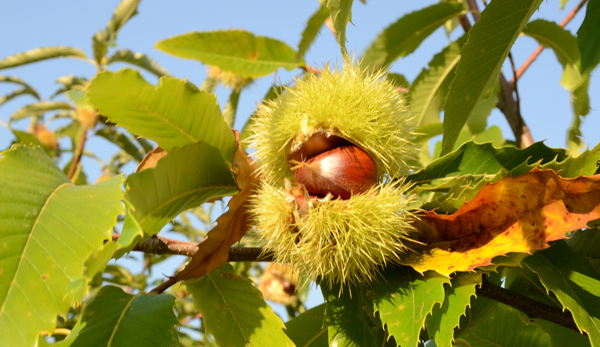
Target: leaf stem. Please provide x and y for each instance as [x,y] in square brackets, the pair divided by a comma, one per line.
[231,108]
[77,154]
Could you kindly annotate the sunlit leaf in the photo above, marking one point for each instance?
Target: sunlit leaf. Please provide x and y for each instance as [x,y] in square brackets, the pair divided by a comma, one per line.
[187,177]
[115,318]
[38,54]
[564,46]
[574,282]
[309,329]
[588,40]
[234,311]
[429,90]
[514,214]
[483,159]
[404,37]
[137,59]
[492,134]
[482,56]
[173,113]
[236,51]
[49,228]
[341,15]
[404,300]
[313,26]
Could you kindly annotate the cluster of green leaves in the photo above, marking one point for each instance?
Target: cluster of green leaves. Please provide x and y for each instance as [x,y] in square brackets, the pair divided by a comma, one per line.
[56,239]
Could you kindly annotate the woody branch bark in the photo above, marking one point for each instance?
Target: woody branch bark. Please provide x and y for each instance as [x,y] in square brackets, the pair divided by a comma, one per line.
[533,309]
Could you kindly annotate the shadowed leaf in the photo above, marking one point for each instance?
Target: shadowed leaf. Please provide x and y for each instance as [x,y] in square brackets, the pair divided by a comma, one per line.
[348,318]
[231,225]
[234,311]
[41,54]
[574,282]
[404,37]
[187,177]
[39,108]
[137,59]
[482,57]
[587,37]
[504,328]
[429,90]
[115,318]
[564,46]
[309,329]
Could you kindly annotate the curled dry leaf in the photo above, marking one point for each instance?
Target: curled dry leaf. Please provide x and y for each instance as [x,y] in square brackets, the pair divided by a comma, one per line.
[151,159]
[515,214]
[231,226]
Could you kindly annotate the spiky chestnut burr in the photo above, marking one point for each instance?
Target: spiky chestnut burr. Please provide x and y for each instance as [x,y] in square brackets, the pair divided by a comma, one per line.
[331,149]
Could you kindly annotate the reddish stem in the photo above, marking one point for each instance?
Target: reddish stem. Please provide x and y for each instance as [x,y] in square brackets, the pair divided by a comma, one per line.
[77,155]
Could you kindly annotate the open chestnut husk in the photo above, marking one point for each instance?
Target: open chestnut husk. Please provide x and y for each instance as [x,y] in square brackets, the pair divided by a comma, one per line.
[331,150]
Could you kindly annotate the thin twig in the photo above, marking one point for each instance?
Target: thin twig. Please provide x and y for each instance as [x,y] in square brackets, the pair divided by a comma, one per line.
[514,84]
[540,48]
[77,155]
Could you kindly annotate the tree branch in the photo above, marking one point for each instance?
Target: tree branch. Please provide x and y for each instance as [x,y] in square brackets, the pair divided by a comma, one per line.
[533,309]
[163,245]
[539,49]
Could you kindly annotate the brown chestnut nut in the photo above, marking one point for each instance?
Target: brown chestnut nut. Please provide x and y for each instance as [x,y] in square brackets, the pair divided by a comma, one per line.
[316,144]
[342,171]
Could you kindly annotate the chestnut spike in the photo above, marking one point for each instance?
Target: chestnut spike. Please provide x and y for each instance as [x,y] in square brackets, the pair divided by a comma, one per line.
[341,172]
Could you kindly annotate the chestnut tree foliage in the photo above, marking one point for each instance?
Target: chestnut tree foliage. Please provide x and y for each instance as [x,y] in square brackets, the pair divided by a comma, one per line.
[507,251]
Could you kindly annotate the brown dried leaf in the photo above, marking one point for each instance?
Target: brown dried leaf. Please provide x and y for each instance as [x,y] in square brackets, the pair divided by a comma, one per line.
[515,214]
[151,159]
[231,226]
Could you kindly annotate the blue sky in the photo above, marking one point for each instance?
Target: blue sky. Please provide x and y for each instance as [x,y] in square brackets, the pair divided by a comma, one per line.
[28,24]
